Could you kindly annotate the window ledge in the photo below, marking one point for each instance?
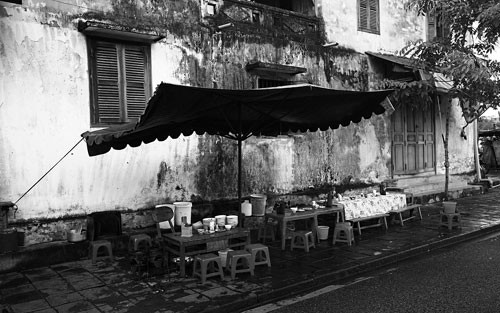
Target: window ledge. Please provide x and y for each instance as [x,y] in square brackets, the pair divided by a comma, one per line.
[106,30]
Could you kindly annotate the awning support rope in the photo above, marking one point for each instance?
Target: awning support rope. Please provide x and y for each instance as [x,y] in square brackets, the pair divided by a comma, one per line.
[49,170]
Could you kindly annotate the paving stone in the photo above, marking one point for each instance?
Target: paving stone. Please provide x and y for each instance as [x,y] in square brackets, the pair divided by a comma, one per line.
[81,306]
[102,295]
[63,298]
[13,279]
[132,288]
[23,297]
[83,281]
[17,290]
[119,307]
[53,286]
[49,310]
[38,274]
[114,278]
[30,306]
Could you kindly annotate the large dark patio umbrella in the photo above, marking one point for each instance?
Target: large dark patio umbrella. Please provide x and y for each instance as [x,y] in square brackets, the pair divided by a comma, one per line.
[239,114]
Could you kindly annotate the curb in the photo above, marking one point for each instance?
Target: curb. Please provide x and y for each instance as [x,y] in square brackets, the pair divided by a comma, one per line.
[319,281]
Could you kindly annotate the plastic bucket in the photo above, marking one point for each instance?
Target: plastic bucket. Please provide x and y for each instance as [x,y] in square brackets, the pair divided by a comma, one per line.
[323,232]
[166,224]
[220,220]
[182,209]
[223,256]
[232,220]
[449,207]
[258,204]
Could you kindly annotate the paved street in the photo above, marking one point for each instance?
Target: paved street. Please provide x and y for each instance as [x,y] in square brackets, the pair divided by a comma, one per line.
[464,278]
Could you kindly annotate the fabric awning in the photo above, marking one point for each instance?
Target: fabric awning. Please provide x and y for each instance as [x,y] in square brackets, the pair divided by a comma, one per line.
[239,114]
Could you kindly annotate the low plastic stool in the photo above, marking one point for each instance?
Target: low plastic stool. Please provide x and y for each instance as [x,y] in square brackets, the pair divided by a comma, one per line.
[450,220]
[260,254]
[94,249]
[136,241]
[302,239]
[266,232]
[246,264]
[207,266]
[343,232]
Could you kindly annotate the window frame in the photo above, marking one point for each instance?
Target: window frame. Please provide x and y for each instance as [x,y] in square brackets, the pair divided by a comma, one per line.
[121,45]
[368,27]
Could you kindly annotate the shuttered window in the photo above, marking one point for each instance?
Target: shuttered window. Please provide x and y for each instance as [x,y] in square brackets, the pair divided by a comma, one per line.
[120,81]
[369,16]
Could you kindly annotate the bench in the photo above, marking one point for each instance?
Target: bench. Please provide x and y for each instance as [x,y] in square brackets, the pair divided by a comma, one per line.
[399,213]
[382,221]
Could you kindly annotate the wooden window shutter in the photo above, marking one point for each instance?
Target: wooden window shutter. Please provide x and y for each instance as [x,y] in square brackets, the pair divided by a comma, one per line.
[136,81]
[120,81]
[373,16]
[368,16]
[431,26]
[363,14]
[107,88]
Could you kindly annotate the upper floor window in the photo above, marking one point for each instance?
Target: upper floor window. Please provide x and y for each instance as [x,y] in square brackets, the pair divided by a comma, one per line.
[436,25]
[120,83]
[369,16]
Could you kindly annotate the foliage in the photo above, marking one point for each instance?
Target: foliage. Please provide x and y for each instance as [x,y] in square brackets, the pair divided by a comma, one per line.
[415,94]
[462,54]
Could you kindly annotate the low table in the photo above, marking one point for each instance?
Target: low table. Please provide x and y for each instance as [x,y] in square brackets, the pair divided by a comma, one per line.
[381,221]
[312,214]
[182,247]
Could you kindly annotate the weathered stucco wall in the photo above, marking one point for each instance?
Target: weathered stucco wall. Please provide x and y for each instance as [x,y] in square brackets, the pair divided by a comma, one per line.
[461,149]
[44,107]
[397,26]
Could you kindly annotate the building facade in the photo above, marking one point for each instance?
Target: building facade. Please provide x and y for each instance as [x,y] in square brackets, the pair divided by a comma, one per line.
[68,67]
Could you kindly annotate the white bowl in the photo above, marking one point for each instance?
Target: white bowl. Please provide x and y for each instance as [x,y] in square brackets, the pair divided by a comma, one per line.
[294,210]
[228,227]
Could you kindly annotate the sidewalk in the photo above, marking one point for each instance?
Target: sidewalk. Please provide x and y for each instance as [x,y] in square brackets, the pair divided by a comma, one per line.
[112,287]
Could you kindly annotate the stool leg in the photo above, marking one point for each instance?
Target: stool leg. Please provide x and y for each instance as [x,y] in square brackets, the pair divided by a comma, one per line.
[195,263]
[203,272]
[219,265]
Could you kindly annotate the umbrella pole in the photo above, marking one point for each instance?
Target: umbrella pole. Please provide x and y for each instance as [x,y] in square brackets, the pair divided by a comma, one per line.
[239,165]
[239,171]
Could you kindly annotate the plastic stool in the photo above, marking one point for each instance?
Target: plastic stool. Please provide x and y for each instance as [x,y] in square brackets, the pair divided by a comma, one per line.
[266,232]
[343,232]
[94,249]
[246,264]
[135,241]
[450,220]
[207,262]
[260,254]
[302,239]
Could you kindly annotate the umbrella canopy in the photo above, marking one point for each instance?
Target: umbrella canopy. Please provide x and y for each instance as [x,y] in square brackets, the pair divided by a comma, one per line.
[239,114]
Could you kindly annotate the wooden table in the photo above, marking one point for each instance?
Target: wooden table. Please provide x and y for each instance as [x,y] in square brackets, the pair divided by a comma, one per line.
[198,244]
[312,214]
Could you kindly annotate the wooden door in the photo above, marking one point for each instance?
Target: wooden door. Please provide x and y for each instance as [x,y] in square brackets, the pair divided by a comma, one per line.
[413,134]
